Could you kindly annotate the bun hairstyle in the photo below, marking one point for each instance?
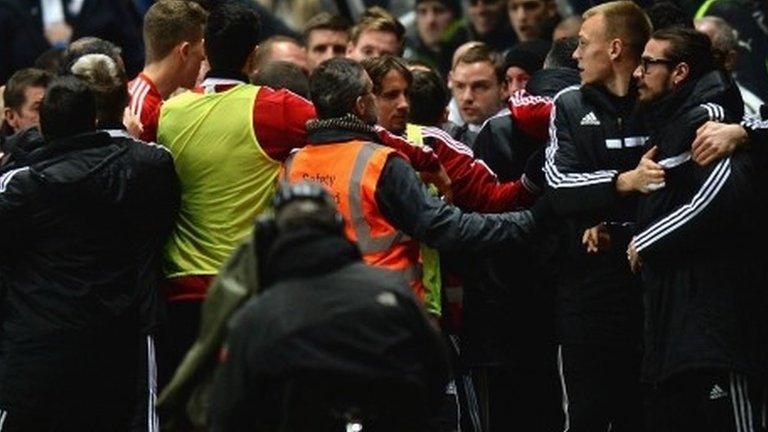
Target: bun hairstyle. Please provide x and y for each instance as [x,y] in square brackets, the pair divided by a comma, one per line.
[108,83]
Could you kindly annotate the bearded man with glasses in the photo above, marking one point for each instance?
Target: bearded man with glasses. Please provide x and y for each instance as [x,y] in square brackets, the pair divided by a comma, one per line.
[699,250]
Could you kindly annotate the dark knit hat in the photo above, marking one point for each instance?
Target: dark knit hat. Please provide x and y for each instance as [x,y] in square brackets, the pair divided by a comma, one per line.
[528,56]
[453,5]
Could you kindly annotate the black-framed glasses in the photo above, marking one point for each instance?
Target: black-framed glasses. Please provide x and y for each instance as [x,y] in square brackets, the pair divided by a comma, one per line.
[646,62]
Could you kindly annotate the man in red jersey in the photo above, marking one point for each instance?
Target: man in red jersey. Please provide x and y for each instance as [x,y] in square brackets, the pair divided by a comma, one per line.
[173,36]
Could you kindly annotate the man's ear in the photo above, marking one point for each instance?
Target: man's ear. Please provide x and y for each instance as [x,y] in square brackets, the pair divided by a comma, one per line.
[680,73]
[446,113]
[359,106]
[615,49]
[10,118]
[250,63]
[184,49]
[551,8]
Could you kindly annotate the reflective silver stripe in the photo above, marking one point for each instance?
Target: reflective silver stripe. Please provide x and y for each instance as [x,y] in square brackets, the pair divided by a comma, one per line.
[635,141]
[2,418]
[735,403]
[365,241]
[675,161]
[613,143]
[560,370]
[153,421]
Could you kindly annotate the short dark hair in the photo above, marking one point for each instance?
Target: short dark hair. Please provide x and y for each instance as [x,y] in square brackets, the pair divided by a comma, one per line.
[689,46]
[483,54]
[170,22]
[326,21]
[265,48]
[231,35]
[50,61]
[561,54]
[377,19]
[429,89]
[335,86]
[89,45]
[108,83]
[282,74]
[68,109]
[379,67]
[13,97]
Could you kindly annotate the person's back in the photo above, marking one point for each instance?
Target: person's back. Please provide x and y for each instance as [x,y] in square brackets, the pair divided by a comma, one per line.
[84,221]
[227,179]
[328,329]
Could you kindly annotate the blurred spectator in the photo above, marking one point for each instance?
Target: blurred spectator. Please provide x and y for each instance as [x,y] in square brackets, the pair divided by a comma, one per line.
[665,13]
[21,42]
[295,13]
[173,34]
[50,60]
[23,95]
[376,34]
[477,82]
[725,44]
[568,27]
[326,36]
[533,19]
[439,31]
[282,75]
[489,23]
[749,19]
[282,48]
[522,61]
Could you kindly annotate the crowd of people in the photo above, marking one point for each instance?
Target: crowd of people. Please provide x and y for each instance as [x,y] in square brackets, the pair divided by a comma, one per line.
[497,215]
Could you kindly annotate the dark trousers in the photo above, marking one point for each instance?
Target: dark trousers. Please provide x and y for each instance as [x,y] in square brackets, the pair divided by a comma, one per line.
[601,388]
[519,399]
[104,389]
[179,332]
[707,401]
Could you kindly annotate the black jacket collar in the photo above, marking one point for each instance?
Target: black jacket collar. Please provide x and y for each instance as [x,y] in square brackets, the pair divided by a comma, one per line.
[342,129]
[607,101]
[62,146]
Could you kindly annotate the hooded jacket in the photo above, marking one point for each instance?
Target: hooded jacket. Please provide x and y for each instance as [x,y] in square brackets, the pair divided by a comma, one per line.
[703,270]
[328,326]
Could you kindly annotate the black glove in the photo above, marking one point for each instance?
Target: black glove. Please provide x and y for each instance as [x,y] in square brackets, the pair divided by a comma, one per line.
[533,175]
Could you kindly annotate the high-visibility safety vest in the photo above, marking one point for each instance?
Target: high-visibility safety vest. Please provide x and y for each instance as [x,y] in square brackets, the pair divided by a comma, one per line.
[226,177]
[351,171]
[430,258]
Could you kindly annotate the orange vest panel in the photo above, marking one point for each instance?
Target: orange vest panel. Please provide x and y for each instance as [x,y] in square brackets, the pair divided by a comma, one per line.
[351,171]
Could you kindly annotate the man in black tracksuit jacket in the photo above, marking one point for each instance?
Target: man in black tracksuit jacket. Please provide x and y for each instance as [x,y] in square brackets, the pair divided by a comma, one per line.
[704,276]
[83,221]
[596,141]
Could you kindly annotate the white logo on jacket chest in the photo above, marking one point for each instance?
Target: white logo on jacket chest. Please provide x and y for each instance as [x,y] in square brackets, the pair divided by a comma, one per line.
[590,120]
